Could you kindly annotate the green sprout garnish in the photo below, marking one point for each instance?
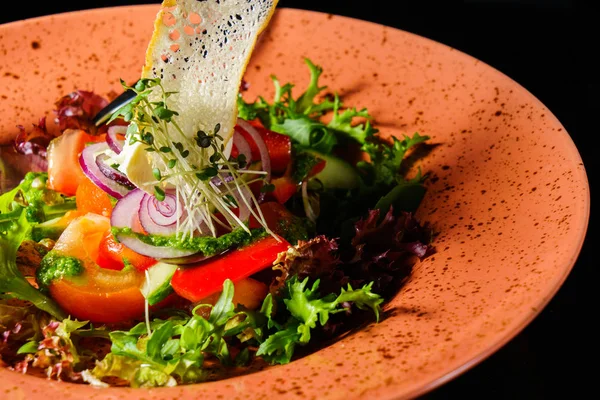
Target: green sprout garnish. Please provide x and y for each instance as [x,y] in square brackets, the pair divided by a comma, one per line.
[193,166]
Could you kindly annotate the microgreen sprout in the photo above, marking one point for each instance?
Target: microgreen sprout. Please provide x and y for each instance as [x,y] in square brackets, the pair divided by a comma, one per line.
[208,185]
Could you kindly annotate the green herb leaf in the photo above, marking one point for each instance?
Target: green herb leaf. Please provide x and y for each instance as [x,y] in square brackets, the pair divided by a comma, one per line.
[164,113]
[28,348]
[384,167]
[303,163]
[279,347]
[267,188]
[342,123]
[308,133]
[207,173]
[178,146]
[148,138]
[148,376]
[159,193]
[223,309]
[204,141]
[300,118]
[170,349]
[158,339]
[243,358]
[241,160]
[307,309]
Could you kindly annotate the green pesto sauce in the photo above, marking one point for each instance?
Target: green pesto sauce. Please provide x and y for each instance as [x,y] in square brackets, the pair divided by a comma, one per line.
[41,203]
[207,245]
[56,266]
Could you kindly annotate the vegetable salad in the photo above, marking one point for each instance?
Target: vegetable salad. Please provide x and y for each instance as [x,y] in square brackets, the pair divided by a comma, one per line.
[302,244]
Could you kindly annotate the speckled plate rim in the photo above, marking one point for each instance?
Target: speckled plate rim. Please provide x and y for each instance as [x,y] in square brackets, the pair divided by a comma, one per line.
[461,365]
[468,363]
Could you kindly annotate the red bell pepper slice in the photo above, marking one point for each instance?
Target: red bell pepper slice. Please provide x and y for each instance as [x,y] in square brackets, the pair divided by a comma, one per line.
[197,282]
[285,188]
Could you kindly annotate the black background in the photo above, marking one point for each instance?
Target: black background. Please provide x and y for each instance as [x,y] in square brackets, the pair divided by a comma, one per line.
[546,46]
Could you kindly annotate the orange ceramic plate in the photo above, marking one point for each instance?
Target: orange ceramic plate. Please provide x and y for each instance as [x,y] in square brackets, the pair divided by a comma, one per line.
[509,193]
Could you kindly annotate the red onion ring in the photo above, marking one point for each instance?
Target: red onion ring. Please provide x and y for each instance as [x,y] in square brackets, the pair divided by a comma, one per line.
[87,161]
[159,217]
[126,210]
[124,215]
[111,173]
[310,212]
[242,145]
[163,212]
[260,143]
[113,140]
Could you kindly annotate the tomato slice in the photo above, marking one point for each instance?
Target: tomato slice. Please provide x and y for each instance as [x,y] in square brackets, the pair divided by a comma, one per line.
[285,188]
[90,198]
[64,171]
[199,281]
[98,295]
[275,215]
[320,166]
[113,255]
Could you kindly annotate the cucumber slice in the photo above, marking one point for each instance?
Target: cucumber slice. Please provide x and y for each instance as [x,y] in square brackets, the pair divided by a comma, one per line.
[337,174]
[157,285]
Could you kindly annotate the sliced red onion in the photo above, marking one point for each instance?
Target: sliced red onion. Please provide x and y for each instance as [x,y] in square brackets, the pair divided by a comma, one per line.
[112,173]
[164,212]
[308,203]
[127,209]
[260,143]
[244,210]
[125,214]
[220,179]
[193,259]
[112,138]
[242,145]
[87,160]
[159,217]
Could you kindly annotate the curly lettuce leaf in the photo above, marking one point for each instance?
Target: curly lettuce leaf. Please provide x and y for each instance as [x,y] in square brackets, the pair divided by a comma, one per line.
[386,160]
[131,370]
[12,281]
[299,117]
[177,347]
[20,328]
[307,310]
[35,200]
[279,346]
[55,350]
[343,122]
